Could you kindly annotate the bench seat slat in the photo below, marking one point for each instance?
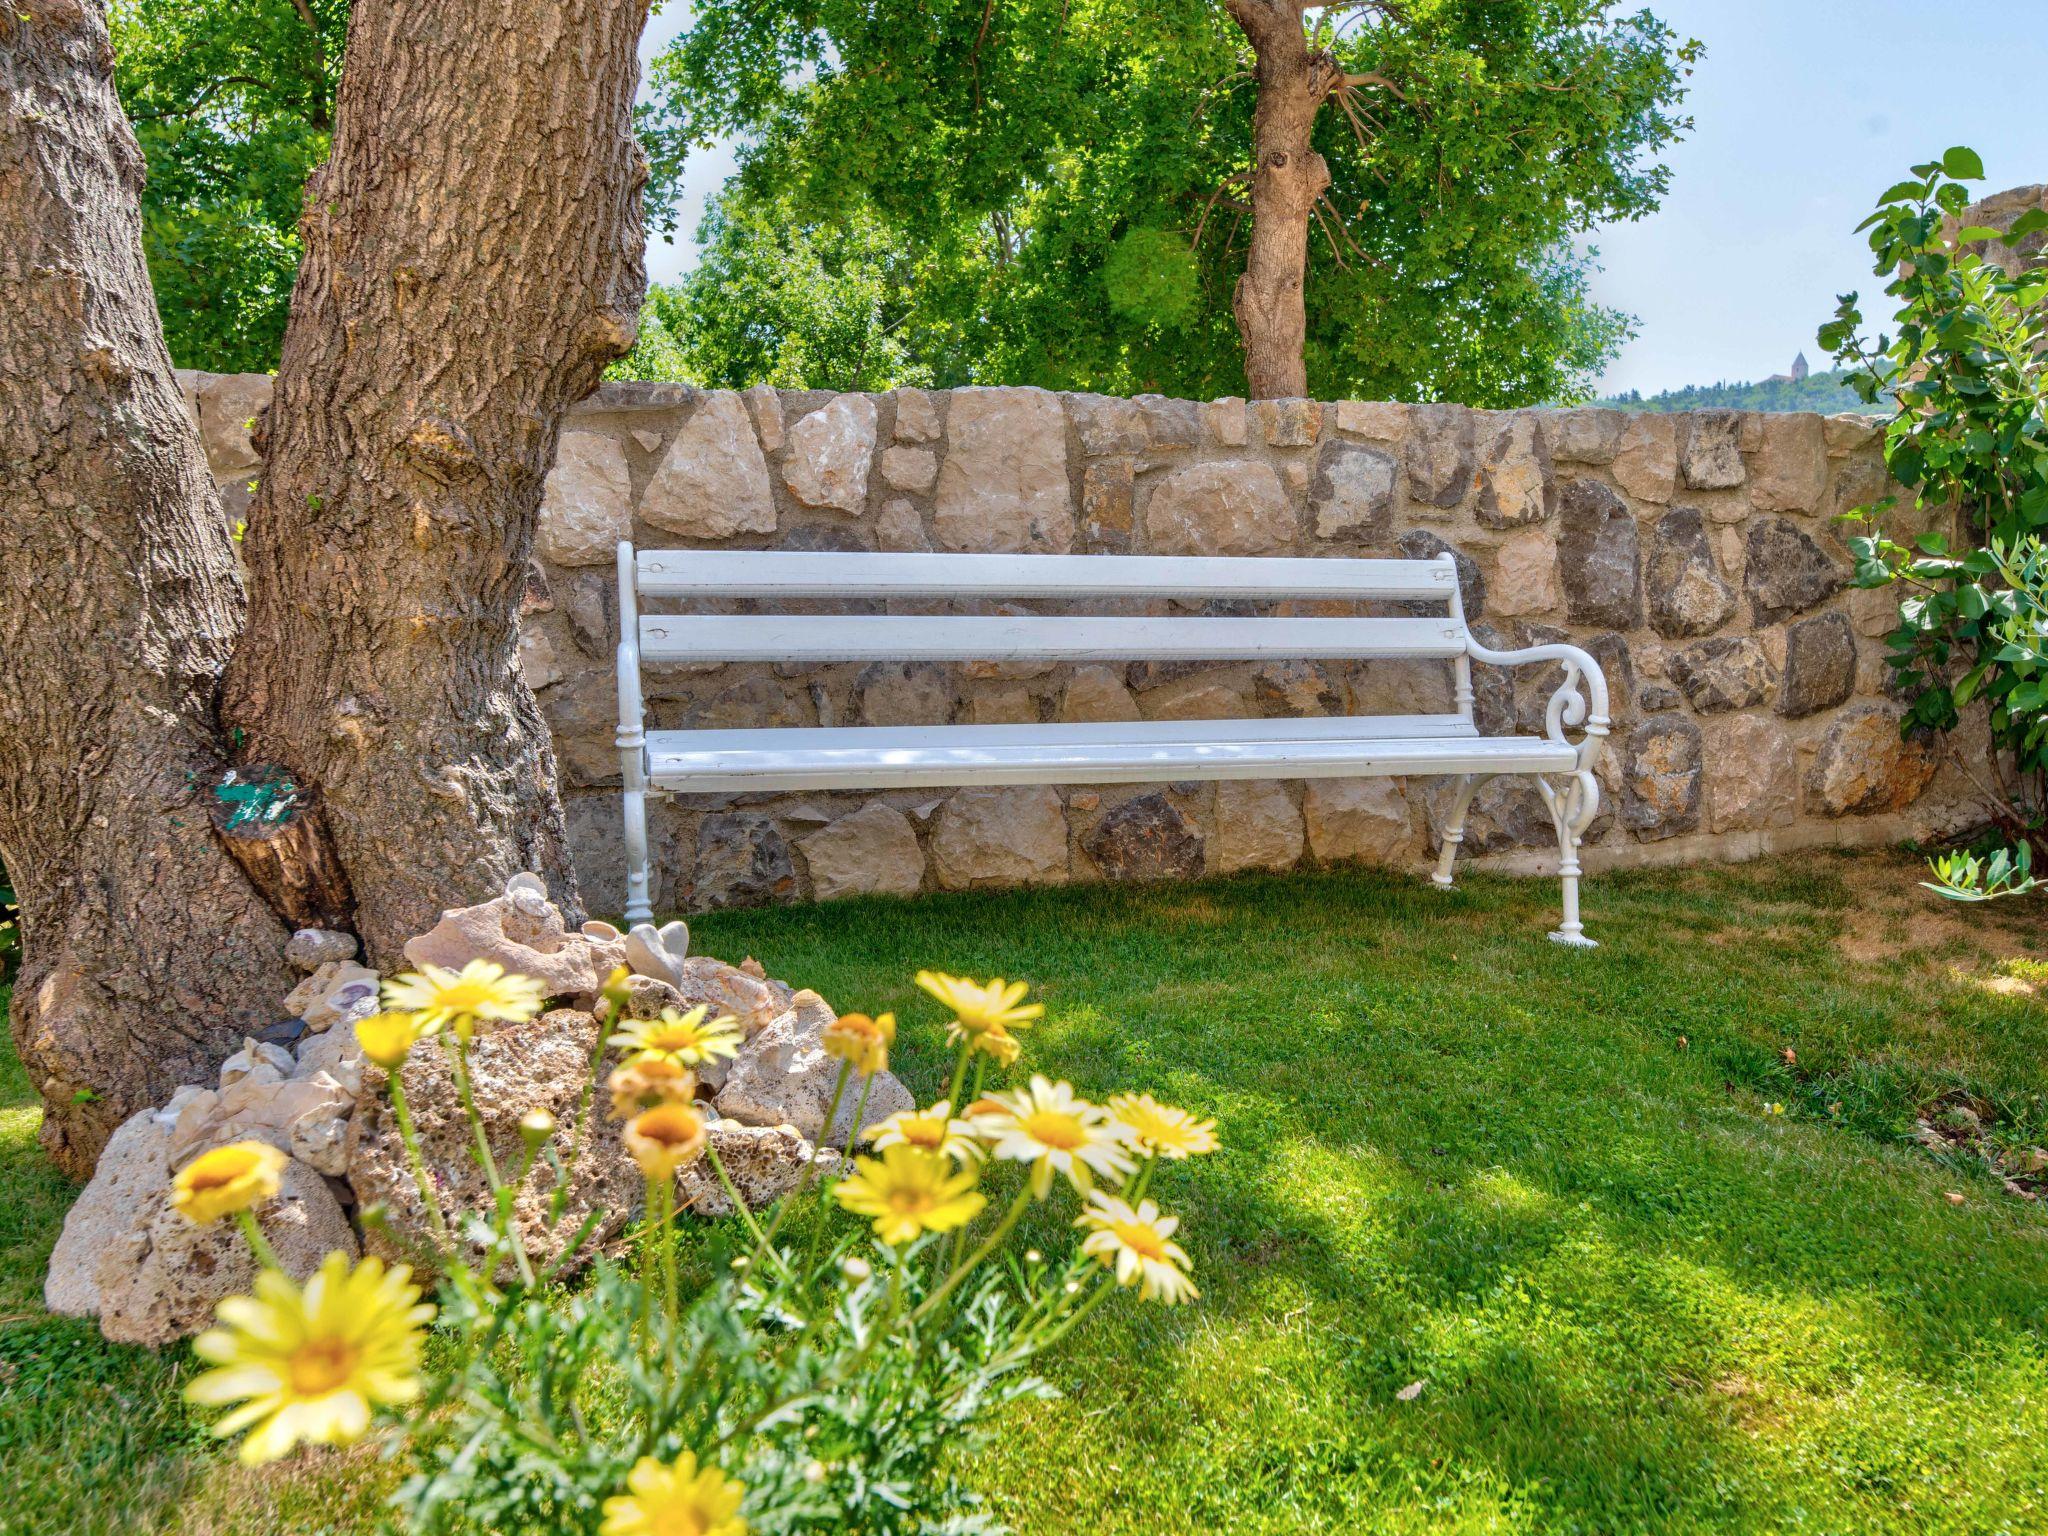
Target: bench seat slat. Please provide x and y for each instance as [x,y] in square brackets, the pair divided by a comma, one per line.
[872,757]
[835,637]
[782,573]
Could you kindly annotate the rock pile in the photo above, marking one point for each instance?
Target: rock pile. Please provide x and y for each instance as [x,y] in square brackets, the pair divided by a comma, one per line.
[303,1086]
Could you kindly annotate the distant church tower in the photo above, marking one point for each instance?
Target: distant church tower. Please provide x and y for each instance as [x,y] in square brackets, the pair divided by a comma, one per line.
[1799,368]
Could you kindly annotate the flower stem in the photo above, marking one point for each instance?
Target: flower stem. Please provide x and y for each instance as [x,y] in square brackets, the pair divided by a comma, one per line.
[606,1020]
[994,1241]
[739,1205]
[502,1206]
[259,1245]
[960,1074]
[803,1182]
[402,1113]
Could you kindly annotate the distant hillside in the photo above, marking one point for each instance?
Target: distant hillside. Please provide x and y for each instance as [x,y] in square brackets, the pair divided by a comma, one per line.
[1824,392]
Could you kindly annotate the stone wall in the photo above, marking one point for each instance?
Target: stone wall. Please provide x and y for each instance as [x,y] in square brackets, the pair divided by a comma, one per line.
[1693,554]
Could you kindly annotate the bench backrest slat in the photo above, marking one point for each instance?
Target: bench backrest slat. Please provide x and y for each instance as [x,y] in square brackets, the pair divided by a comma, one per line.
[955,637]
[786,573]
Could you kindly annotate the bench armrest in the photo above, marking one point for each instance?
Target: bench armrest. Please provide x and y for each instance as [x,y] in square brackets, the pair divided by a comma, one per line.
[1570,707]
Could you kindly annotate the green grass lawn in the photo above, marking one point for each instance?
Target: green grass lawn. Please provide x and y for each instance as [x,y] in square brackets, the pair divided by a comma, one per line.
[1651,1274]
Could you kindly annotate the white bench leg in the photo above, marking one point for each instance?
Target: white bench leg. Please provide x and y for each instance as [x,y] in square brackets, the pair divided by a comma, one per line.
[1570,817]
[639,904]
[1454,828]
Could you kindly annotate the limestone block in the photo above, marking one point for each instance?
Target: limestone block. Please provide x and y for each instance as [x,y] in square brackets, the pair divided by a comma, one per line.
[1294,688]
[909,469]
[1661,780]
[766,404]
[586,507]
[1352,495]
[1097,693]
[1752,774]
[1439,454]
[1290,423]
[1106,499]
[1820,665]
[1146,838]
[784,1077]
[1587,435]
[873,850]
[1728,673]
[830,451]
[713,481]
[1646,456]
[1003,486]
[1381,420]
[742,861]
[1525,579]
[1790,472]
[917,419]
[1687,594]
[1000,836]
[1421,544]
[764,1163]
[1363,819]
[1786,572]
[1865,767]
[1257,827]
[1713,450]
[900,529]
[229,404]
[1516,482]
[1228,422]
[905,693]
[1599,557]
[1233,508]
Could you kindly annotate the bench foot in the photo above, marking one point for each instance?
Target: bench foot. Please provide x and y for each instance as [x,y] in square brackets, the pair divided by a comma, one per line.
[1573,940]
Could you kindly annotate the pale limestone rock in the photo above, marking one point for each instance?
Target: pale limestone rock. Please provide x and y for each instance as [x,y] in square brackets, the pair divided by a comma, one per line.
[261,1108]
[830,451]
[1516,482]
[1364,819]
[1588,435]
[542,661]
[254,1056]
[1000,836]
[1235,508]
[1228,421]
[713,482]
[747,995]
[311,948]
[1524,579]
[909,469]
[1353,492]
[784,1077]
[917,419]
[1294,688]
[1865,766]
[873,850]
[586,507]
[1379,420]
[1752,775]
[764,1162]
[766,404]
[1097,693]
[1713,450]
[228,404]
[1257,827]
[899,528]
[134,1172]
[1791,469]
[1289,423]
[1646,456]
[522,931]
[335,1053]
[1851,433]
[341,991]
[1003,706]
[1003,486]
[161,1278]
[541,1064]
[1196,699]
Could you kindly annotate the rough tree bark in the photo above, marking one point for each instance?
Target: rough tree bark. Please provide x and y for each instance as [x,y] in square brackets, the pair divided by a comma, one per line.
[1293,82]
[147,955]
[473,260]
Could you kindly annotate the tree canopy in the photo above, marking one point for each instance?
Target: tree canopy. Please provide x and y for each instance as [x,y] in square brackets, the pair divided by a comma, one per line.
[1069,176]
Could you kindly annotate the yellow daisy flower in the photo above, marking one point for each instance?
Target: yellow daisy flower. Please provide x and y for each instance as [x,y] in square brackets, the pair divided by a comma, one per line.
[1139,1245]
[861,1041]
[647,1081]
[929,1130]
[481,991]
[909,1192]
[665,1138]
[675,1499]
[687,1039]
[1161,1130]
[1046,1126]
[996,1010]
[310,1365]
[388,1038]
[1000,1044]
[237,1177]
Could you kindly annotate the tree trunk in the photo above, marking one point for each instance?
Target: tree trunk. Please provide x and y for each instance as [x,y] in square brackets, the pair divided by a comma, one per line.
[1293,81]
[147,955]
[473,260]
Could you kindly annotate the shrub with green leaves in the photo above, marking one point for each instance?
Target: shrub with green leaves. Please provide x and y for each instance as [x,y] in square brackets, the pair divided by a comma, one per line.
[1967,440]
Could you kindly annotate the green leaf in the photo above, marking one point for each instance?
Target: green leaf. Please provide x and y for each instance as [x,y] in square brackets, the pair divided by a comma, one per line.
[1963,163]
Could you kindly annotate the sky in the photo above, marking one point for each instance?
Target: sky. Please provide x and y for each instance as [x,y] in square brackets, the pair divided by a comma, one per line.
[1804,111]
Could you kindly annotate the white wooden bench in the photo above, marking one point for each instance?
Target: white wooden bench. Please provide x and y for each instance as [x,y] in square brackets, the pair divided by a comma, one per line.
[1148,751]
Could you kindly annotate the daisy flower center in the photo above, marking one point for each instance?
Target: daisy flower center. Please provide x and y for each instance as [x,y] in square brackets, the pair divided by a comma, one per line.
[911,1201]
[1052,1128]
[924,1133]
[1141,1240]
[677,1522]
[217,1176]
[319,1366]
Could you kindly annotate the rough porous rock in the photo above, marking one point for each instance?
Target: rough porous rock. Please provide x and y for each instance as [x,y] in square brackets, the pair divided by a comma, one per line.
[1146,838]
[1352,495]
[1599,557]
[906,693]
[764,1162]
[1786,572]
[1713,450]
[1752,774]
[310,948]
[522,931]
[872,851]
[742,861]
[1516,484]
[1661,784]
[1865,767]
[1439,454]
[1687,593]
[745,993]
[586,506]
[830,451]
[909,469]
[1292,422]
[1362,819]
[541,1064]
[1820,665]
[1000,836]
[1219,509]
[133,1170]
[1257,827]
[1003,485]
[1295,688]
[784,1077]
[713,482]
[1588,435]
[1731,672]
[1421,544]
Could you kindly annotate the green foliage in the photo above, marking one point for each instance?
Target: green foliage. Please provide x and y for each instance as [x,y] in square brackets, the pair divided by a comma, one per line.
[1829,392]
[1967,439]
[1016,151]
